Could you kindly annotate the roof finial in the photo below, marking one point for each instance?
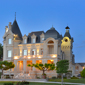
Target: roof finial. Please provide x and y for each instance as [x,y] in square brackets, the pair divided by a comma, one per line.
[15,15]
[52,25]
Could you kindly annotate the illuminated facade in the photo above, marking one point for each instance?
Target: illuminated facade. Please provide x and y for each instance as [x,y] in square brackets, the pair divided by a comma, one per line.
[36,47]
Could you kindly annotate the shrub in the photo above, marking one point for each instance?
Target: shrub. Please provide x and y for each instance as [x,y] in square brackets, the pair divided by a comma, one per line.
[59,76]
[8,83]
[7,77]
[0,74]
[74,77]
[65,77]
[53,77]
[38,77]
[22,83]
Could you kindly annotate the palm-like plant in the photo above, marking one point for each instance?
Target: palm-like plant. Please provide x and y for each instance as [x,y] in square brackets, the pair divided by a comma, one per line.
[43,67]
[5,65]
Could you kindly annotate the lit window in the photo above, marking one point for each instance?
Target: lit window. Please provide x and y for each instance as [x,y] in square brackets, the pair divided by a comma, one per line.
[50,61]
[10,41]
[33,40]
[33,52]
[24,41]
[39,61]
[9,53]
[25,52]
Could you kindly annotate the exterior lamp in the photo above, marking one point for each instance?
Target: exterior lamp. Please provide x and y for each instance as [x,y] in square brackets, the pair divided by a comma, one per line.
[54,56]
[33,56]
[29,57]
[15,57]
[39,57]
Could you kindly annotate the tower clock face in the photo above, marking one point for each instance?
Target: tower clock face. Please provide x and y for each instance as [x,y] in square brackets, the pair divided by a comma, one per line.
[66,40]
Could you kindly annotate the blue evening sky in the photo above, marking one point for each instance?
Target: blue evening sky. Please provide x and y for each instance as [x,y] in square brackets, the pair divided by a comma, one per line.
[40,15]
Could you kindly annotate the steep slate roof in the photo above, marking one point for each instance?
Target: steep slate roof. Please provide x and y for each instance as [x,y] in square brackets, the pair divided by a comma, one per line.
[82,64]
[67,34]
[37,34]
[52,33]
[15,29]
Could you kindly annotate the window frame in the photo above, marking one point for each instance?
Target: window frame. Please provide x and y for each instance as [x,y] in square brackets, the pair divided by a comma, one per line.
[9,53]
[25,52]
[9,41]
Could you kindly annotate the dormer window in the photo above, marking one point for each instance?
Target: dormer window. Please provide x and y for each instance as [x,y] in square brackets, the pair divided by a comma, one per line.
[10,42]
[24,41]
[33,40]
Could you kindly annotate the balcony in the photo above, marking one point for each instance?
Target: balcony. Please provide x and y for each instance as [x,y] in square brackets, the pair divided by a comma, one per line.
[52,55]
[28,57]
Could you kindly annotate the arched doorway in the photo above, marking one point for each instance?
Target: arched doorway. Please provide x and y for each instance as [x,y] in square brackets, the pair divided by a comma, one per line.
[50,46]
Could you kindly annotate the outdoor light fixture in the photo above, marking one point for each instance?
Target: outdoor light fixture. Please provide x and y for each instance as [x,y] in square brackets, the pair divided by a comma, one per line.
[29,57]
[33,56]
[39,57]
[15,57]
[54,56]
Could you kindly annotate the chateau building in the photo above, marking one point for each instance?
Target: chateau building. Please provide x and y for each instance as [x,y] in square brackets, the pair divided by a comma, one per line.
[37,47]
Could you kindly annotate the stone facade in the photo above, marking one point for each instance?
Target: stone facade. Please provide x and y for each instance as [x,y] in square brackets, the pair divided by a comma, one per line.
[37,47]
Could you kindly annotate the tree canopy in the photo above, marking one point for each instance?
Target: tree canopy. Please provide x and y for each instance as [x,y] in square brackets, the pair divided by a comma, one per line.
[5,65]
[1,51]
[43,67]
[62,66]
[83,73]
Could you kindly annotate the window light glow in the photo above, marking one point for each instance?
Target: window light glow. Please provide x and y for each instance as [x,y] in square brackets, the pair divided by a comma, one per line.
[54,56]
[29,57]
[15,57]
[33,56]
[83,67]
[52,60]
[39,57]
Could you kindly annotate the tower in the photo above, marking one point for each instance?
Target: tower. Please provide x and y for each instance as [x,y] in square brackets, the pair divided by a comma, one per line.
[66,47]
[12,38]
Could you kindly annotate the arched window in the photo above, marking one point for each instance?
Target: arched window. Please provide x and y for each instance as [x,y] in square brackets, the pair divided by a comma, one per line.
[50,42]
[50,47]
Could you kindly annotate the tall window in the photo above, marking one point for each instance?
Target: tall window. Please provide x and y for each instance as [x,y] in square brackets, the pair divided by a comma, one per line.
[41,51]
[33,52]
[33,40]
[24,41]
[25,52]
[10,42]
[9,53]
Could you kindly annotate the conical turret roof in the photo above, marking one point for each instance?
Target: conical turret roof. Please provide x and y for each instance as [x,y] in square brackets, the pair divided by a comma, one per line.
[67,34]
[15,29]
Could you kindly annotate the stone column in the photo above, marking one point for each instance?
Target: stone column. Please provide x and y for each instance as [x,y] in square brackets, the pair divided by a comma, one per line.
[15,68]
[56,47]
[24,65]
[34,61]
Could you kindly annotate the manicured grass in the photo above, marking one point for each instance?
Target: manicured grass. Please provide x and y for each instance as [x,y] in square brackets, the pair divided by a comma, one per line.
[34,83]
[69,80]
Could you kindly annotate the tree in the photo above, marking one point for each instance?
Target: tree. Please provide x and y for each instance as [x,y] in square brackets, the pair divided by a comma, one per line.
[43,67]
[1,51]
[83,73]
[62,67]
[5,65]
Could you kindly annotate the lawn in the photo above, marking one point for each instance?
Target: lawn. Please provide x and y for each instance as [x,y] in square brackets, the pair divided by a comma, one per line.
[36,83]
[69,80]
